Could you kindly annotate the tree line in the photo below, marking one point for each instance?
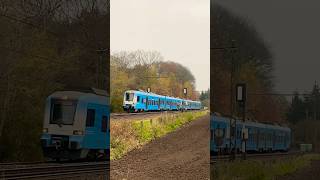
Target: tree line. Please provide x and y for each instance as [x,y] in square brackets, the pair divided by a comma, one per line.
[140,70]
[304,115]
[238,49]
[305,106]
[45,46]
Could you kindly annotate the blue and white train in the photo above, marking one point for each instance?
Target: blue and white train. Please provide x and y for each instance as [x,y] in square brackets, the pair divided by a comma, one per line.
[260,137]
[77,125]
[138,101]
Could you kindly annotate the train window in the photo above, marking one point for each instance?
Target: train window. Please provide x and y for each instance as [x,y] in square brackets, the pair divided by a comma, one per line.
[91,115]
[138,98]
[104,123]
[129,96]
[62,112]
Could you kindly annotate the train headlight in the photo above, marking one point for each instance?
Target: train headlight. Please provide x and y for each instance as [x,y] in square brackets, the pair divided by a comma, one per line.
[79,132]
[45,130]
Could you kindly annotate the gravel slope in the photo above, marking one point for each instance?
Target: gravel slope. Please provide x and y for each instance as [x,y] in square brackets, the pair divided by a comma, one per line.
[183,154]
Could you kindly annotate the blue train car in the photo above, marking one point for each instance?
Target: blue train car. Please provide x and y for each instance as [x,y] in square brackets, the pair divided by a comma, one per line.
[77,125]
[173,103]
[260,137]
[138,101]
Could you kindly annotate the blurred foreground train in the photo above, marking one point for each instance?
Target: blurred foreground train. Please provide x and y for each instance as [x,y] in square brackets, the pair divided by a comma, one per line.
[138,101]
[260,137]
[76,125]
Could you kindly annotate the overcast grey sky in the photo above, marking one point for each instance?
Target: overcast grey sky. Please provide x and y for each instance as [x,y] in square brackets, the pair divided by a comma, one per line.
[178,29]
[292,30]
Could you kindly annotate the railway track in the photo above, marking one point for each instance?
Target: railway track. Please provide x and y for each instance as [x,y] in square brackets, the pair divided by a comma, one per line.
[226,158]
[15,164]
[19,163]
[124,115]
[54,171]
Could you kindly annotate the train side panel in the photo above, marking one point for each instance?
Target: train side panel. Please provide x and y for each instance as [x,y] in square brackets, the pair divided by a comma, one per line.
[261,137]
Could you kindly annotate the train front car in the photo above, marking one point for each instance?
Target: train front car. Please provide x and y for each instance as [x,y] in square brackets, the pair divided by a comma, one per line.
[76,126]
[218,135]
[135,101]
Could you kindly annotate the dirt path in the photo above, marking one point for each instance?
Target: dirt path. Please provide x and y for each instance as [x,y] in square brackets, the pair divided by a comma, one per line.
[311,172]
[183,154]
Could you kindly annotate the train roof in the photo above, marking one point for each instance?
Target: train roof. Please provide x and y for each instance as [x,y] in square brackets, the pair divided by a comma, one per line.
[251,123]
[157,95]
[81,96]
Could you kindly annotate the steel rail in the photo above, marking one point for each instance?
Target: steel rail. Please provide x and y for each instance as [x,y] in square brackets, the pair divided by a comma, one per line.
[55,171]
[115,115]
[225,158]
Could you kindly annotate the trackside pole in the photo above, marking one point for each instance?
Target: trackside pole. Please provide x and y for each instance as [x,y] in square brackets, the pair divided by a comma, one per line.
[241,97]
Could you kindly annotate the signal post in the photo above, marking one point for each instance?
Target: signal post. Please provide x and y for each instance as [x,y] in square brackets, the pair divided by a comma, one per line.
[241,98]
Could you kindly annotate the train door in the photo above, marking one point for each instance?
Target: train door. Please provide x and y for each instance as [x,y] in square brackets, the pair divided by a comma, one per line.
[104,128]
[265,139]
[93,119]
[273,140]
[147,102]
[258,139]
[285,140]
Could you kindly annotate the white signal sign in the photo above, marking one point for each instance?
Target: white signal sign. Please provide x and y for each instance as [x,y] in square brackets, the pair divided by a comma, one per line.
[241,92]
[185,90]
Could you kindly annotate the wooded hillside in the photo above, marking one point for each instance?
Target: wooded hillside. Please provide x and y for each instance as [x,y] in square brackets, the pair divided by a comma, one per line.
[46,45]
[237,49]
[148,69]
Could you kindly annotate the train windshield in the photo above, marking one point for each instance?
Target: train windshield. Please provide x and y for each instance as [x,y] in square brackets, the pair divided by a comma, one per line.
[63,112]
[129,96]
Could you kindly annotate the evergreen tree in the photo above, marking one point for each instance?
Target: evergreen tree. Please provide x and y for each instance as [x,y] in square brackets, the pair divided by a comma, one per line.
[296,110]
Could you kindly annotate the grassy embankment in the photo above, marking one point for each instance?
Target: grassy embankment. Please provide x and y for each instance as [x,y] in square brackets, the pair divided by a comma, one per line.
[128,135]
[260,169]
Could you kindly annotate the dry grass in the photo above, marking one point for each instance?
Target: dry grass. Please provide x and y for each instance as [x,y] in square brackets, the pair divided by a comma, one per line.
[128,135]
[261,169]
